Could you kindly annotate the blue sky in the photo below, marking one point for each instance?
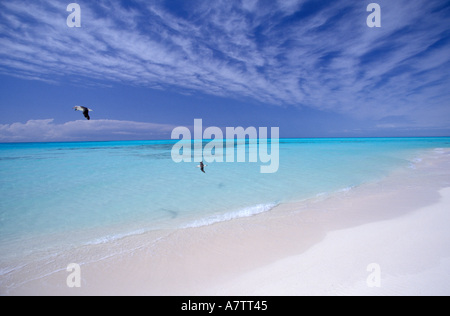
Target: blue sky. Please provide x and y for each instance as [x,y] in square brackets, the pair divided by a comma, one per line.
[312,68]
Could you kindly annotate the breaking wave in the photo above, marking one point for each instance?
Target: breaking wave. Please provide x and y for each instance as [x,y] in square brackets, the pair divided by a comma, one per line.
[245,212]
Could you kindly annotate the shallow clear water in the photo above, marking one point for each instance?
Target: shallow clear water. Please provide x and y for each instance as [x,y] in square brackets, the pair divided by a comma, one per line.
[59,195]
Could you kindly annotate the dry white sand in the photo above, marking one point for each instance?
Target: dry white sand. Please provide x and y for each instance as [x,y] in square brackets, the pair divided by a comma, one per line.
[318,247]
[409,255]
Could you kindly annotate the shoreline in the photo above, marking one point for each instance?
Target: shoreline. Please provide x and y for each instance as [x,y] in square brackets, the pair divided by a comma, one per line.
[406,262]
[246,255]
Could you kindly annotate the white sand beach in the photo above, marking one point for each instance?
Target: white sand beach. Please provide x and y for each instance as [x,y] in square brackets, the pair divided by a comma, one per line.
[410,255]
[397,227]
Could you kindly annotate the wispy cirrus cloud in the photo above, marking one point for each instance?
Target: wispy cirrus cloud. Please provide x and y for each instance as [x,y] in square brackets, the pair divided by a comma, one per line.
[313,53]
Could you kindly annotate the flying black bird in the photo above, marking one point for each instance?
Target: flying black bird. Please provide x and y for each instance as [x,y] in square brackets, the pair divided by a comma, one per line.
[202,166]
[83,109]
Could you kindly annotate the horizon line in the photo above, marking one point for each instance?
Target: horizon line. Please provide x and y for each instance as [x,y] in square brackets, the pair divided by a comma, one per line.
[224,139]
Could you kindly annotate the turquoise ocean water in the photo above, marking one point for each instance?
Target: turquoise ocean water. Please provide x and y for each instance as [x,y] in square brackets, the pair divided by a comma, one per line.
[54,196]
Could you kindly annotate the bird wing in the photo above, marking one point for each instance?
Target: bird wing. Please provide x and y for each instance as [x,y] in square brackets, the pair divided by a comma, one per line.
[86,114]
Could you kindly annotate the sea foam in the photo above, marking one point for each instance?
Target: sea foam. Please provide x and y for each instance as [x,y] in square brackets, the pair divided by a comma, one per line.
[245,212]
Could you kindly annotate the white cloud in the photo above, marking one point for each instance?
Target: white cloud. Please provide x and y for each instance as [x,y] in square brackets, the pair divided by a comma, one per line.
[329,60]
[81,130]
